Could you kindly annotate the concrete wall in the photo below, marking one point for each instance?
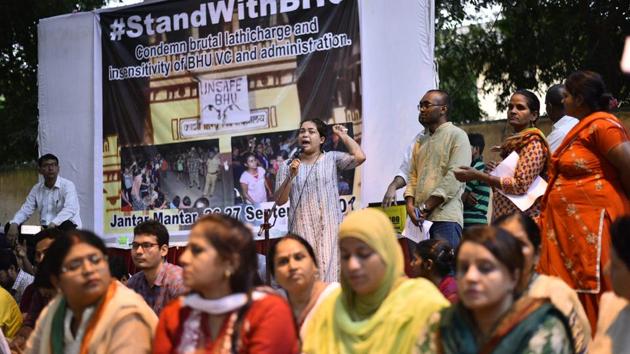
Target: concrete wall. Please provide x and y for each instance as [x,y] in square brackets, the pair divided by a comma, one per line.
[14,187]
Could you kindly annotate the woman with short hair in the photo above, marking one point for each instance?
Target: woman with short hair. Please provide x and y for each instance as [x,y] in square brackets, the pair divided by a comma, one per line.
[309,182]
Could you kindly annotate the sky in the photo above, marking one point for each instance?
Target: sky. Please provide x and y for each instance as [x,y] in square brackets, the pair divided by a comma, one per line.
[118,3]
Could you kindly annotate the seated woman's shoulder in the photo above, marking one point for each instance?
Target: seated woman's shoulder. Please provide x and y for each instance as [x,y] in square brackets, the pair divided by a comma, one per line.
[268,299]
[546,285]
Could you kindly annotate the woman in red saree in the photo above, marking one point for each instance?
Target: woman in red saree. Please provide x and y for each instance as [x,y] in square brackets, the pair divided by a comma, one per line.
[589,187]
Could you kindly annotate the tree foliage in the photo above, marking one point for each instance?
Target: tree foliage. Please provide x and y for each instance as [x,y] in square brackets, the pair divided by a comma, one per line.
[533,44]
[18,72]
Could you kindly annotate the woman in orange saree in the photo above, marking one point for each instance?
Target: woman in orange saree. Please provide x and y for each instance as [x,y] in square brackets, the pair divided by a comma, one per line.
[589,187]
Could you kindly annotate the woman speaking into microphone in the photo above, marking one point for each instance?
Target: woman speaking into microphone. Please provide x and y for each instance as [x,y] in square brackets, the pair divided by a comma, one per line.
[310,182]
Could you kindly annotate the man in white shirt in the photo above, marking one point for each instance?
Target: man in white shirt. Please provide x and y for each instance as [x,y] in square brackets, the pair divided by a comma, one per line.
[562,123]
[55,199]
[401,178]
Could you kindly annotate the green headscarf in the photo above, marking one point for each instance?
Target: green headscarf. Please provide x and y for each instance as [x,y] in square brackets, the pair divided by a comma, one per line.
[374,228]
[386,321]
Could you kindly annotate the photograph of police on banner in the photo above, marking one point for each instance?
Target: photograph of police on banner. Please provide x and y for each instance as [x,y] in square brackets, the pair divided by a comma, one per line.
[173,176]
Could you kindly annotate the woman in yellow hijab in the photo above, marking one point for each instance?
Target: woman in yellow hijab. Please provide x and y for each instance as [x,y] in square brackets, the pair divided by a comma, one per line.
[377,309]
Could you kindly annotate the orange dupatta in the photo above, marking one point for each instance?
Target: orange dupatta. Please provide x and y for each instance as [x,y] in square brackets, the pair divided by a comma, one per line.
[89,331]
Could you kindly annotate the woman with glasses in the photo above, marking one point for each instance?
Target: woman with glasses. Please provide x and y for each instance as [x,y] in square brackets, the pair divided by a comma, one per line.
[533,154]
[92,313]
[224,313]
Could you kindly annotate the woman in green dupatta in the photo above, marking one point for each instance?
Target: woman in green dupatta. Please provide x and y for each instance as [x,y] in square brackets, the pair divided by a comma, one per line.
[377,309]
[490,317]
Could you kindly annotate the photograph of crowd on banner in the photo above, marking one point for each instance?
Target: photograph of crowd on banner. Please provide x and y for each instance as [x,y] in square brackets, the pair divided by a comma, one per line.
[201,103]
[259,155]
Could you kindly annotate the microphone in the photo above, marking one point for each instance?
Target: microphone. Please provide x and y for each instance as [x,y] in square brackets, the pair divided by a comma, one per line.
[295,154]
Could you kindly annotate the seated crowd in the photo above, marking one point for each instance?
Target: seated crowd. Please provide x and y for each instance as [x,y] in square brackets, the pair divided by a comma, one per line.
[483,297]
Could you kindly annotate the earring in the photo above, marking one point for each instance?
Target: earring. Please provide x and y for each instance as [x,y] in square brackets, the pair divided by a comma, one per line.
[227,274]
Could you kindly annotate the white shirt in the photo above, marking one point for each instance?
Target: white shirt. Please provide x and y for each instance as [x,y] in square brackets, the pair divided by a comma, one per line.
[72,344]
[56,204]
[559,130]
[403,170]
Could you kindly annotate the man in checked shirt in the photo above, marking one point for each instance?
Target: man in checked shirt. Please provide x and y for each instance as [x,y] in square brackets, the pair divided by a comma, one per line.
[158,281]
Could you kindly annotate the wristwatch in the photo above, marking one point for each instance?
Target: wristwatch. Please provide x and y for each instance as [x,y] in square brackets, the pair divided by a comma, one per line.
[423,208]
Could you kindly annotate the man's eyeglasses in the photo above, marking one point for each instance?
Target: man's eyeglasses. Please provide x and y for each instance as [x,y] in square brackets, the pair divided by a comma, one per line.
[427,105]
[144,245]
[77,263]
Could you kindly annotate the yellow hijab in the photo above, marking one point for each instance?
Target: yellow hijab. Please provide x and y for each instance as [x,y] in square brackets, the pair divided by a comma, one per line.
[386,321]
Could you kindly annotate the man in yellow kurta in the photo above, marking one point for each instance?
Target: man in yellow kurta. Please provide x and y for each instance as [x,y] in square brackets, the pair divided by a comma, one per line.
[432,192]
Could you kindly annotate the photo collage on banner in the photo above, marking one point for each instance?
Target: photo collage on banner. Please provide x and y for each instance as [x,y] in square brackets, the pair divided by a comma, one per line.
[201,98]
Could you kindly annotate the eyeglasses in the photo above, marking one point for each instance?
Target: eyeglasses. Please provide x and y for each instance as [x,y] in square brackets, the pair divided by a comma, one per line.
[76,264]
[427,105]
[144,245]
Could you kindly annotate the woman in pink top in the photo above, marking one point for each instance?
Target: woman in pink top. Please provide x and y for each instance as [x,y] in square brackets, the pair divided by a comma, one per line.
[253,182]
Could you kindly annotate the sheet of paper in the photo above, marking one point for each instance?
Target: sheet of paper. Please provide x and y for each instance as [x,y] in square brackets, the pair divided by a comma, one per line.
[525,201]
[506,169]
[415,233]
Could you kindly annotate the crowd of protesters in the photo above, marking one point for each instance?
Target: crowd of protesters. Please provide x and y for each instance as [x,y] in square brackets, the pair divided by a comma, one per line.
[550,276]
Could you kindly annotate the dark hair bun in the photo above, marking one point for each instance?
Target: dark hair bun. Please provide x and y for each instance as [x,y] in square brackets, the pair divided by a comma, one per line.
[605,100]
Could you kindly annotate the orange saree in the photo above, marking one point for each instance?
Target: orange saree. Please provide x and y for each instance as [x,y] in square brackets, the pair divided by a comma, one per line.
[583,198]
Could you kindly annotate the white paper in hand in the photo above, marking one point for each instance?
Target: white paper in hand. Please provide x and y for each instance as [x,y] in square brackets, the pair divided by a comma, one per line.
[506,169]
[415,233]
